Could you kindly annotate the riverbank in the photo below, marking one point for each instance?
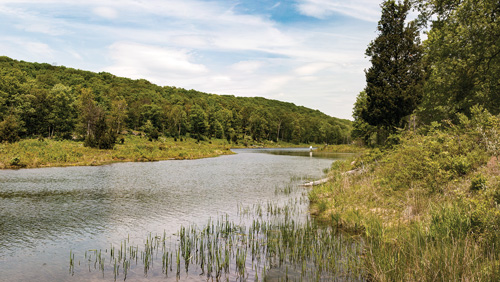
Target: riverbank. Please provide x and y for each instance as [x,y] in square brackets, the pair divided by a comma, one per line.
[35,153]
[428,208]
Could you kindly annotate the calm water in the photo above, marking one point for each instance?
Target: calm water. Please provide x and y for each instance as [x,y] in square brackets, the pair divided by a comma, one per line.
[46,212]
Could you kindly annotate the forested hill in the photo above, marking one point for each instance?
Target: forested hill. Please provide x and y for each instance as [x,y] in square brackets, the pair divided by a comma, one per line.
[38,99]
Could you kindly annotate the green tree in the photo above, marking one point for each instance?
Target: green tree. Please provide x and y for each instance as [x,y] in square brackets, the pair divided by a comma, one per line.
[199,123]
[463,52]
[177,117]
[93,123]
[61,119]
[118,115]
[224,119]
[11,87]
[259,125]
[34,108]
[394,80]
[361,130]
[9,129]
[150,130]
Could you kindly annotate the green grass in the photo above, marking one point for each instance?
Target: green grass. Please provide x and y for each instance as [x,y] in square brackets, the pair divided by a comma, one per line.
[343,148]
[31,153]
[428,209]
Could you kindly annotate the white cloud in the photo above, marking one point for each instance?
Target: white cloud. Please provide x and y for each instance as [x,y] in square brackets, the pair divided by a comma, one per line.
[312,68]
[40,49]
[203,45]
[32,21]
[190,40]
[19,47]
[368,10]
[247,66]
[157,63]
[274,83]
[275,6]
[105,12]
[220,79]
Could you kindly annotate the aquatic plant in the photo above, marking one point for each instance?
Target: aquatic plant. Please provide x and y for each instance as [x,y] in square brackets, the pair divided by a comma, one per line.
[277,242]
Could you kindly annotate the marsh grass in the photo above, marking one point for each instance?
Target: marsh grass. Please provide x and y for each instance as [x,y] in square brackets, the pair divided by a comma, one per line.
[222,250]
[277,242]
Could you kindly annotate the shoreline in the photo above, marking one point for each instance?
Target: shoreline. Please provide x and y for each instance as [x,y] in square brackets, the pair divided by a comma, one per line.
[34,153]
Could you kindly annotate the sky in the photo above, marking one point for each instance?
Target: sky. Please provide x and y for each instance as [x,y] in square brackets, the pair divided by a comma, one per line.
[308,52]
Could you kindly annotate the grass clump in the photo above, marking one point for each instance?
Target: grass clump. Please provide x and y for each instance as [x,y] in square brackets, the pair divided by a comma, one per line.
[428,207]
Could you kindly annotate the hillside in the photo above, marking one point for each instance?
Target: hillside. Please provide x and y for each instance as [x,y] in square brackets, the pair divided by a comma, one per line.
[41,100]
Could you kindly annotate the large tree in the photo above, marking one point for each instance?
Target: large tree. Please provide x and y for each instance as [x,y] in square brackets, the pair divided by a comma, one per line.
[463,53]
[394,80]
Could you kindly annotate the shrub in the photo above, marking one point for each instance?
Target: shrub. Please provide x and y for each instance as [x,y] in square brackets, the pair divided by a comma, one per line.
[461,165]
[478,182]
[16,161]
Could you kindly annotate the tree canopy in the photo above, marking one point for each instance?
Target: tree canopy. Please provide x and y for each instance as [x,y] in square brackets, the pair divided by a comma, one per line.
[394,79]
[38,99]
[456,68]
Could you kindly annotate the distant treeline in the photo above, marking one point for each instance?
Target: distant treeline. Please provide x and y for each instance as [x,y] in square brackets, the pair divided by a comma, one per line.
[42,100]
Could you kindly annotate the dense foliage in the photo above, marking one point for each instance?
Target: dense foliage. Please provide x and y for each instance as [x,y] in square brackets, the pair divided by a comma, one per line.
[41,100]
[427,198]
[460,66]
[428,207]
[395,77]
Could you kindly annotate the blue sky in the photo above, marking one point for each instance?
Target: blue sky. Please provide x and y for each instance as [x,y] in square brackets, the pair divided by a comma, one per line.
[308,52]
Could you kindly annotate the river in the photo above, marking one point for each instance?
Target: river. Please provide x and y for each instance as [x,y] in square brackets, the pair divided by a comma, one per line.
[46,212]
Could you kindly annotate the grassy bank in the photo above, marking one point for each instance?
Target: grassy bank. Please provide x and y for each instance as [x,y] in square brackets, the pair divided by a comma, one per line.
[33,153]
[428,208]
[343,148]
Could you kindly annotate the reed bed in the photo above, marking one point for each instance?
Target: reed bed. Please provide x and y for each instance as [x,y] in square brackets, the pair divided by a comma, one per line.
[278,242]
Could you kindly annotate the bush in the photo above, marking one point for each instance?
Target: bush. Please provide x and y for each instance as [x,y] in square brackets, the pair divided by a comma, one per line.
[478,182]
[16,161]
[461,165]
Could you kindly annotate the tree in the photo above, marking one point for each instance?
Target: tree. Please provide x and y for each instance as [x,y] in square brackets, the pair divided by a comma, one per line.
[61,118]
[394,80]
[9,129]
[118,115]
[150,130]
[93,122]
[463,53]
[102,137]
[361,130]
[199,124]
[259,124]
[177,118]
